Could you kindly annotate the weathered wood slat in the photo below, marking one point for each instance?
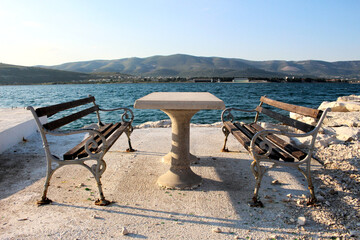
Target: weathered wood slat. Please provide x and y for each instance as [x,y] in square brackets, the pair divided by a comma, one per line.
[273,139]
[310,112]
[106,134]
[297,153]
[98,140]
[250,134]
[116,135]
[286,120]
[72,153]
[51,110]
[68,119]
[241,137]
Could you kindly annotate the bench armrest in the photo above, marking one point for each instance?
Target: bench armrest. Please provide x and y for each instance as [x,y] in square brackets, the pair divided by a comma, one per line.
[125,116]
[227,116]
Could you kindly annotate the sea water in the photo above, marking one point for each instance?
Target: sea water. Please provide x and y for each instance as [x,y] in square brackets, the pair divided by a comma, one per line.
[239,95]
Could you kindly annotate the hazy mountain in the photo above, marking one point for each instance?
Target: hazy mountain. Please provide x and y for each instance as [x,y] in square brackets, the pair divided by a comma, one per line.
[12,74]
[311,68]
[173,65]
[192,66]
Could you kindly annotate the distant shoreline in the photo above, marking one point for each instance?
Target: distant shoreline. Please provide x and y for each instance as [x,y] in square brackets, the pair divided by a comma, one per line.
[161,82]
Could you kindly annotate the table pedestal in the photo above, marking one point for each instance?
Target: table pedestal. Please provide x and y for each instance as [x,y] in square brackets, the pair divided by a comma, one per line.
[180,175]
[167,158]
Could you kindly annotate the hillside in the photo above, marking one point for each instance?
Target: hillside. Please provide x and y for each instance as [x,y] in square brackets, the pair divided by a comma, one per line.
[12,74]
[174,65]
[343,69]
[192,66]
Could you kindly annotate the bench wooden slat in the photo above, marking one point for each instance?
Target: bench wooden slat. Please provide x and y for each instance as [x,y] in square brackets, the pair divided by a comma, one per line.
[241,137]
[51,110]
[279,149]
[72,154]
[297,153]
[310,112]
[106,134]
[116,135]
[68,119]
[286,120]
[98,140]
[250,134]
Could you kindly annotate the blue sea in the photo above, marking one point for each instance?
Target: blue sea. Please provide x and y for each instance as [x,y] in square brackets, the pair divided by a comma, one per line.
[240,95]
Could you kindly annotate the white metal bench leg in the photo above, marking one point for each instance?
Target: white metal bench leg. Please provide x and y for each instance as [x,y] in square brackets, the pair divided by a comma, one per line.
[258,173]
[44,200]
[226,133]
[312,199]
[128,133]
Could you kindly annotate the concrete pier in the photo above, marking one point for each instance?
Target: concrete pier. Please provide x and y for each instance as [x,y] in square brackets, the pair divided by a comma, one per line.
[15,125]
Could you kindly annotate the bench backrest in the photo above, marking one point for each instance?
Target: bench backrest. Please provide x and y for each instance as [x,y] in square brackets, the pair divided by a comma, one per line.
[304,111]
[53,109]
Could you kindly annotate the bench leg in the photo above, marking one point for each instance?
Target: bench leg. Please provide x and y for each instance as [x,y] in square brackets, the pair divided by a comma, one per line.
[97,171]
[102,201]
[258,174]
[226,133]
[44,200]
[128,133]
[312,199]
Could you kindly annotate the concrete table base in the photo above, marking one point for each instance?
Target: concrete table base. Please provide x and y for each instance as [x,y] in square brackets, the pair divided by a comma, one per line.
[180,175]
[179,179]
[167,158]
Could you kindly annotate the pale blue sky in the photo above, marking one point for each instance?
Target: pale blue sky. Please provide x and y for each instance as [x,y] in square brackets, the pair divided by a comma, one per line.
[50,32]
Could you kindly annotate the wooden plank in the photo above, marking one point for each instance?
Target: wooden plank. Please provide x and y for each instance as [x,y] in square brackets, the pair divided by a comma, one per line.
[72,153]
[273,139]
[310,112]
[273,155]
[241,137]
[297,153]
[68,119]
[98,140]
[116,135]
[286,120]
[51,110]
[106,134]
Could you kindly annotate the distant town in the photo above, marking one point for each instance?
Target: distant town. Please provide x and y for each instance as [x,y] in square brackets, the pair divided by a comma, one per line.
[120,78]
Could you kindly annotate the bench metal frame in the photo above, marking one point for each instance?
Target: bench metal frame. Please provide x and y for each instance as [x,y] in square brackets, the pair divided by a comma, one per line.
[97,169]
[267,146]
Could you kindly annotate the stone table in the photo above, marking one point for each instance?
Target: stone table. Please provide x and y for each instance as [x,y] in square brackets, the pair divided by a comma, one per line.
[180,107]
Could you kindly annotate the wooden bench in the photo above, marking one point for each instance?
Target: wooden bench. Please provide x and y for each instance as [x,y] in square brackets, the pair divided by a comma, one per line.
[90,150]
[266,145]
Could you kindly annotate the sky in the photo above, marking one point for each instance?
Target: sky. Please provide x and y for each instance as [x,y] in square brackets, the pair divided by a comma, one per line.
[51,32]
